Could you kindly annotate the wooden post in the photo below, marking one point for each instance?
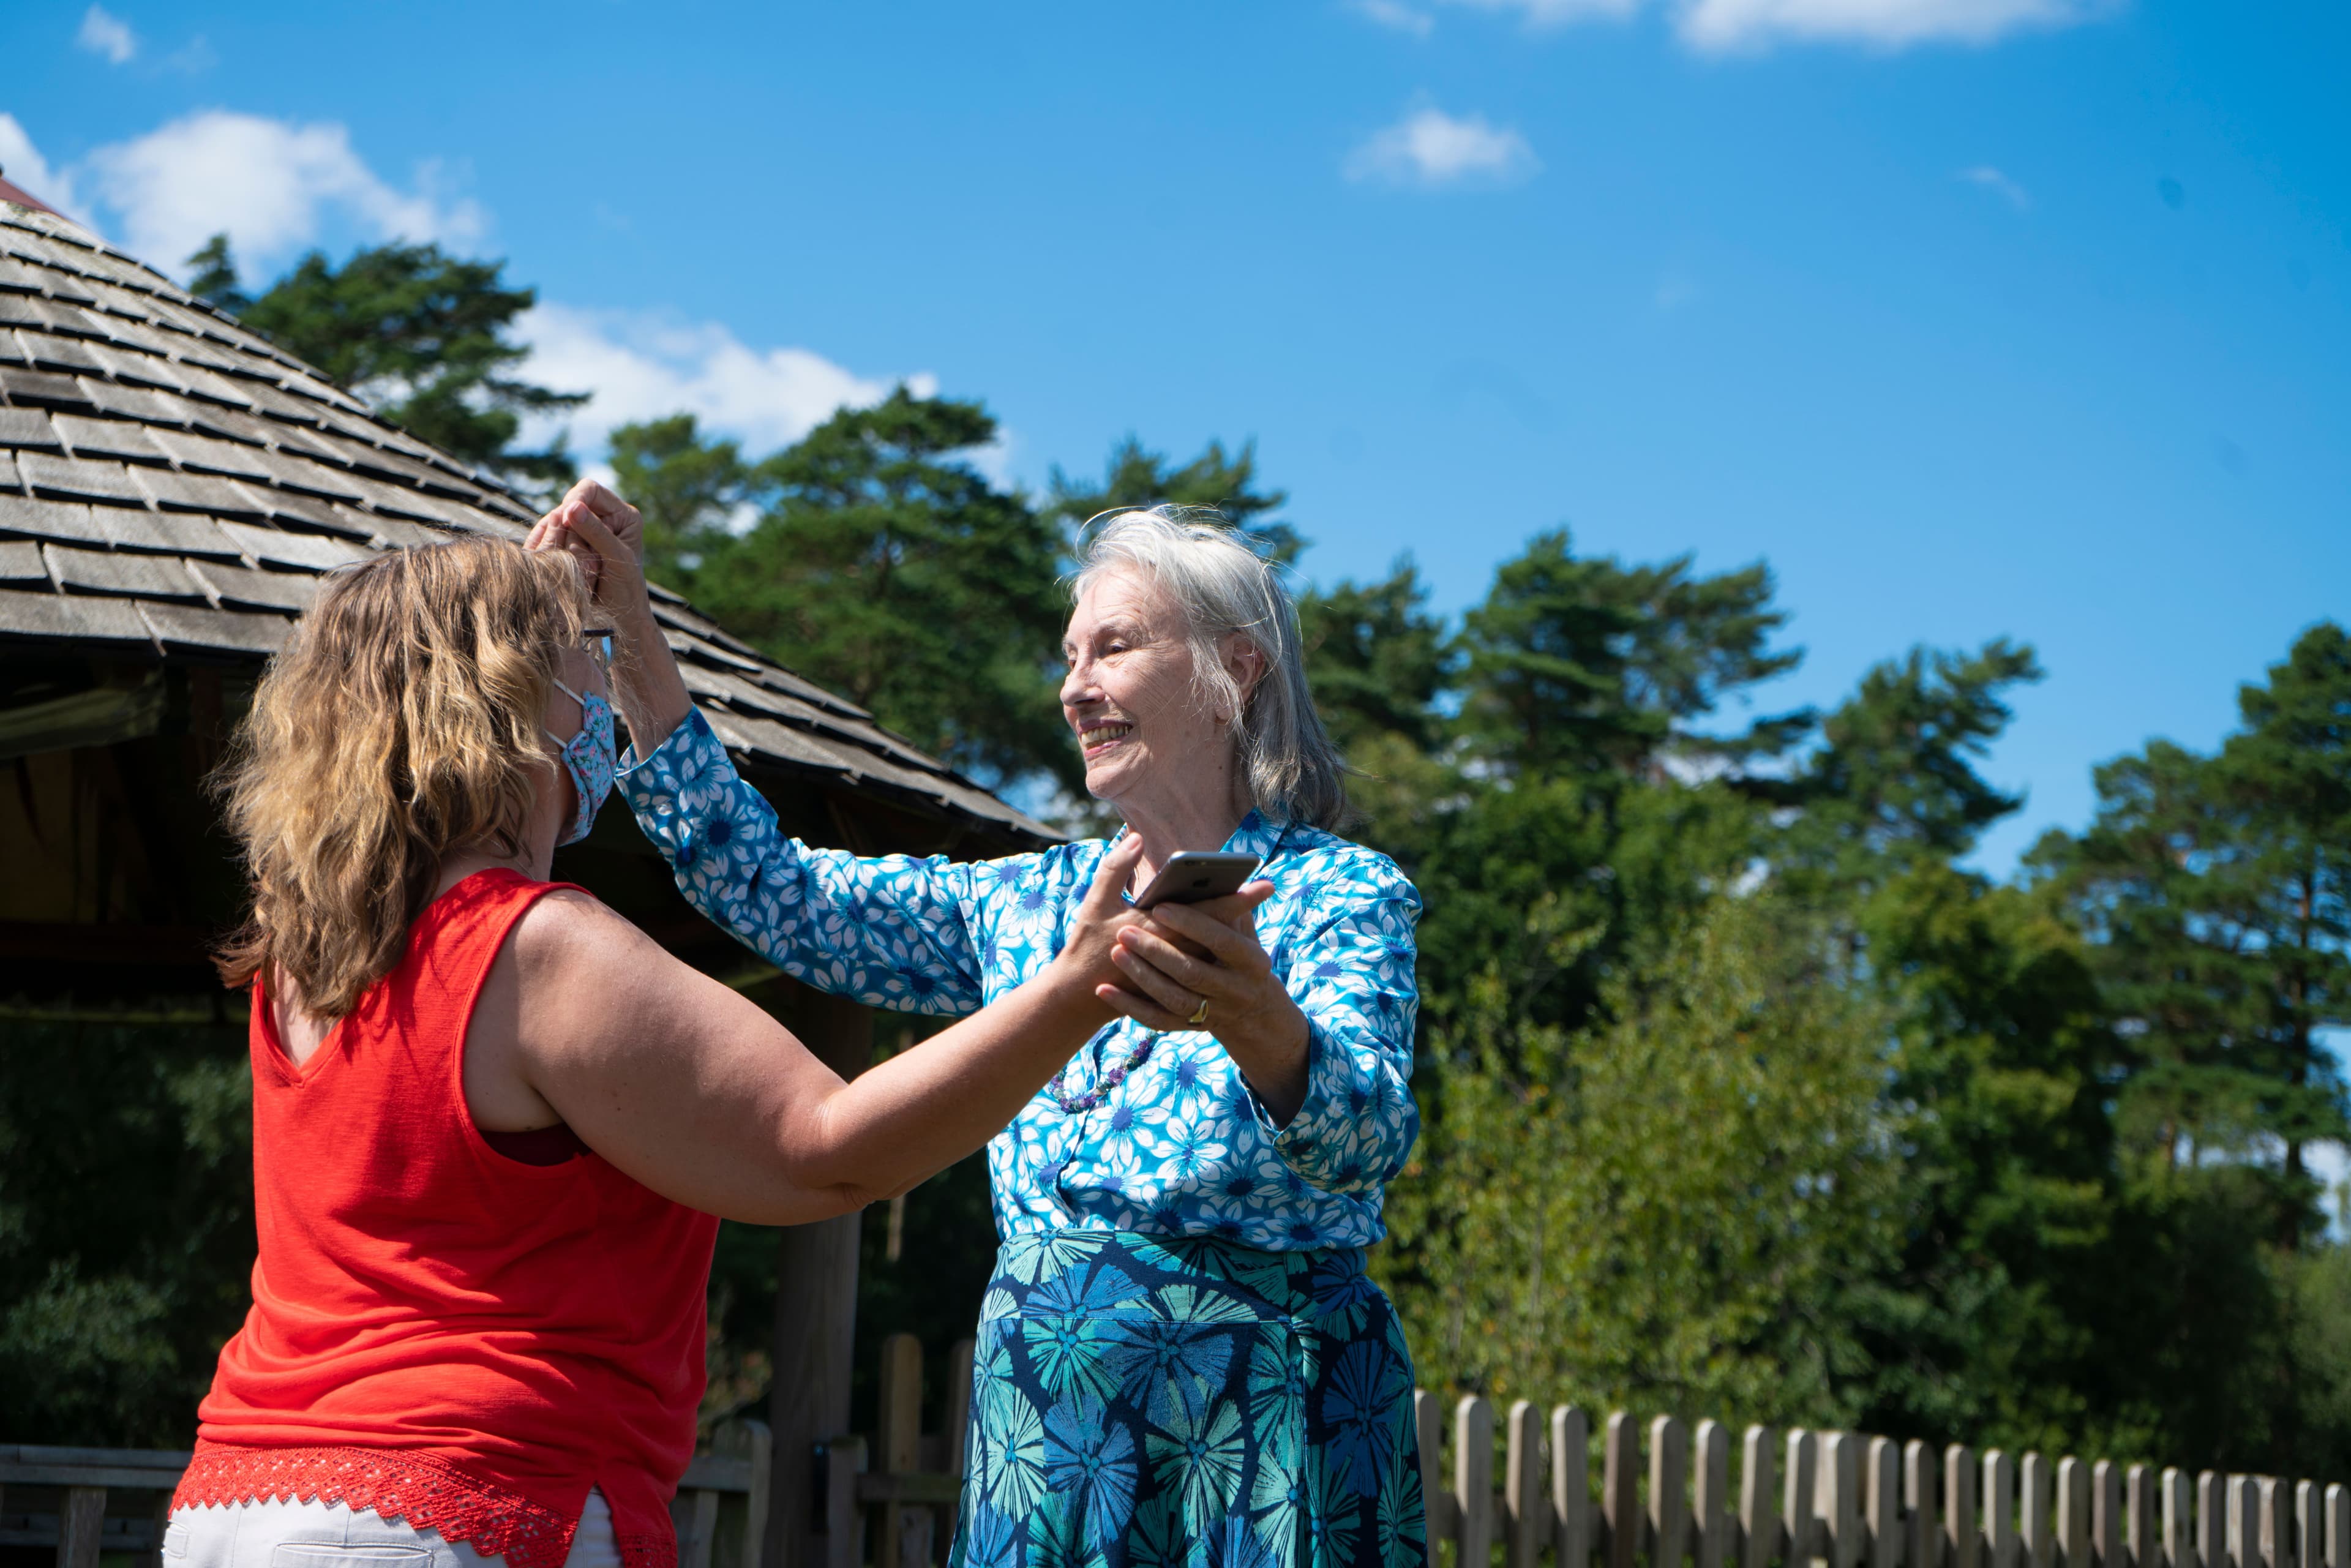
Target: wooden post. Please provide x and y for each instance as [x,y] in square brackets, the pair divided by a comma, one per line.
[2308,1524]
[1473,1478]
[2338,1527]
[1527,1509]
[2032,1502]
[2000,1510]
[2178,1522]
[842,1545]
[816,1308]
[1962,1520]
[2139,1543]
[1882,1503]
[2212,1520]
[81,1519]
[905,1527]
[1918,1537]
[2106,1515]
[1716,1524]
[1570,1487]
[2245,1522]
[1839,1495]
[1759,1526]
[1428,1427]
[2275,1497]
[1798,1513]
[1620,1490]
[959,1430]
[2072,1514]
[1670,1517]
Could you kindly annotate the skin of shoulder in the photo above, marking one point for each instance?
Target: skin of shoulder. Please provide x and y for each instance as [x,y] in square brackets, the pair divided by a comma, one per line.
[672,1077]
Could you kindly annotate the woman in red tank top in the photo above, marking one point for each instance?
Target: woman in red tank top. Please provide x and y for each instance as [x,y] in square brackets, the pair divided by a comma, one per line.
[493,1122]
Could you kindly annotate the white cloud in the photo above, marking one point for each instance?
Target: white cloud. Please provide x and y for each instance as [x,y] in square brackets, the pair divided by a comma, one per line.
[1430,147]
[268,183]
[642,366]
[1887,24]
[1993,180]
[1394,16]
[110,36]
[1717,25]
[32,173]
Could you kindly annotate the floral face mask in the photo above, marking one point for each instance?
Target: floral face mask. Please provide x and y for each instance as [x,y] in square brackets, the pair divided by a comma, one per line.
[590,759]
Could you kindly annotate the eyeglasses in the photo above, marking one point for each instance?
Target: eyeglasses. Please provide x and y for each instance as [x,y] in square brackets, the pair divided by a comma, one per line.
[598,642]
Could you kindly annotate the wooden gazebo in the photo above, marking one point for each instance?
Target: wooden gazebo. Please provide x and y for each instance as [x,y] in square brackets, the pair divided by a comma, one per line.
[172,486]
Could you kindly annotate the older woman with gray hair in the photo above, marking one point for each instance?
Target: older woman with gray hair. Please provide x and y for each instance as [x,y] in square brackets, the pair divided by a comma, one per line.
[1181,1357]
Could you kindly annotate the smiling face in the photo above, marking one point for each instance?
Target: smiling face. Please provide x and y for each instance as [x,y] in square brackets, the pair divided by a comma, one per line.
[1148,738]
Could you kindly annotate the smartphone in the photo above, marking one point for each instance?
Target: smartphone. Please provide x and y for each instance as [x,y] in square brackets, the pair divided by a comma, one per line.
[1194,876]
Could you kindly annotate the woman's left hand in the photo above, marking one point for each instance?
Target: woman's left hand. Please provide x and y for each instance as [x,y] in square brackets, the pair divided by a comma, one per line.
[1221,967]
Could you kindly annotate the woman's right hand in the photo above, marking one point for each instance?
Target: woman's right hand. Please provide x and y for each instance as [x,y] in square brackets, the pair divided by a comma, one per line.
[1085,958]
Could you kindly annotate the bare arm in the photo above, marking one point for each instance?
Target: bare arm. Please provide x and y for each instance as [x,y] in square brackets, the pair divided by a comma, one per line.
[695,1091]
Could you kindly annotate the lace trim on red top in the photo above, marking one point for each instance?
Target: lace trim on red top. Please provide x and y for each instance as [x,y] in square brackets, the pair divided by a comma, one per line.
[428,1493]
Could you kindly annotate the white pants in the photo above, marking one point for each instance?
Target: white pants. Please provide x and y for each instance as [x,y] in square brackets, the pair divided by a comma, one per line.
[275,1534]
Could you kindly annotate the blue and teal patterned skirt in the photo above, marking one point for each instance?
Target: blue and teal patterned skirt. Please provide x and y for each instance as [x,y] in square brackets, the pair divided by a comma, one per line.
[1144,1401]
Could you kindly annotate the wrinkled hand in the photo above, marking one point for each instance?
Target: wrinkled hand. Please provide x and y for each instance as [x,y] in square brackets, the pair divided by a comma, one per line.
[1088,958]
[607,537]
[1184,955]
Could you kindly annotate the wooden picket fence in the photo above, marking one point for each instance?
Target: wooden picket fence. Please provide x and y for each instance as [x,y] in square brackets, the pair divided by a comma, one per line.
[1842,1500]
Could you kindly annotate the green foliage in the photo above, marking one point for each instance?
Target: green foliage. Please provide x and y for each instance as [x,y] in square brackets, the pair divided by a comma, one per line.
[1563,1235]
[421,335]
[126,1227]
[1226,483]
[882,565]
[1581,663]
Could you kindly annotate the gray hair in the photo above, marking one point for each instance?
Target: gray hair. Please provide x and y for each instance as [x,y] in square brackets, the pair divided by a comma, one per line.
[1223,587]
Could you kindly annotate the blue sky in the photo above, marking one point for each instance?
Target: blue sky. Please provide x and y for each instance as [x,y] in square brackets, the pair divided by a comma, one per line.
[1972,316]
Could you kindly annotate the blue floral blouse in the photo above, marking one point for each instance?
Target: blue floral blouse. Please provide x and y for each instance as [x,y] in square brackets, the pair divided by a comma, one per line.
[1183,1146]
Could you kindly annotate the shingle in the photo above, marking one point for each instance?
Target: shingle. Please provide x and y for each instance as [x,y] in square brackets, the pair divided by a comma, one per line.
[208,455]
[764,737]
[42,314]
[71,478]
[397,533]
[140,370]
[401,501]
[151,408]
[20,562]
[28,430]
[43,389]
[316,551]
[686,644]
[113,438]
[295,473]
[168,533]
[238,587]
[197,492]
[211,386]
[179,628]
[308,515]
[80,620]
[9,479]
[66,356]
[112,572]
[12,352]
[49,519]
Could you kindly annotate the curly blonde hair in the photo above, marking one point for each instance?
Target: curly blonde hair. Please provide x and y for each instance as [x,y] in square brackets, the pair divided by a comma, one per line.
[401,721]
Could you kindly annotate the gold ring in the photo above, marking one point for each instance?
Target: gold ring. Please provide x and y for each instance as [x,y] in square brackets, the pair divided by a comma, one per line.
[1199,1014]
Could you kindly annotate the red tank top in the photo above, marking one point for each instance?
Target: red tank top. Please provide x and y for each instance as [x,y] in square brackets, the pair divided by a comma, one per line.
[440,1332]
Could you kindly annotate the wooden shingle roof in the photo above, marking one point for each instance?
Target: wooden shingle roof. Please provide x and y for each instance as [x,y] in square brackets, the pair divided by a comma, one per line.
[171,485]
